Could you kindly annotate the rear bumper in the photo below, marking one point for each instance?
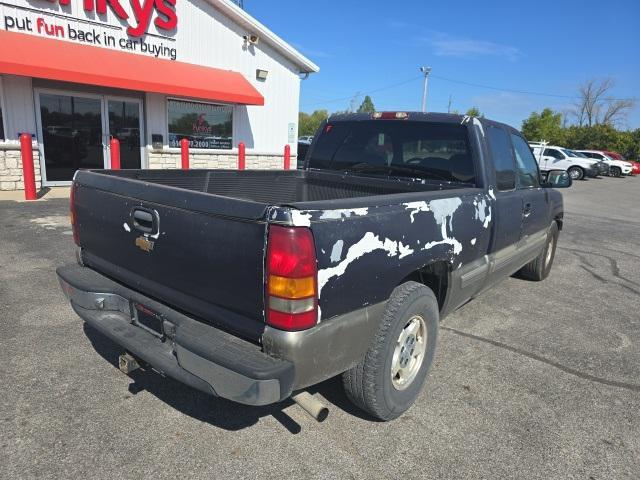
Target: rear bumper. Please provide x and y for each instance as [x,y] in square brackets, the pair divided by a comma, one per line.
[187,350]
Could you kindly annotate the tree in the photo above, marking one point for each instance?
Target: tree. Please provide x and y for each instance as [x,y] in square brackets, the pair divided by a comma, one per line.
[546,125]
[595,105]
[474,112]
[309,124]
[367,105]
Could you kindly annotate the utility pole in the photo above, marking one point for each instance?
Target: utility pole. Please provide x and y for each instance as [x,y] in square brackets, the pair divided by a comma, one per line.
[449,105]
[426,71]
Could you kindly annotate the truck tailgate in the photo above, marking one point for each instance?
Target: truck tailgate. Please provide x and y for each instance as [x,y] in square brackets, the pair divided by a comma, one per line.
[197,252]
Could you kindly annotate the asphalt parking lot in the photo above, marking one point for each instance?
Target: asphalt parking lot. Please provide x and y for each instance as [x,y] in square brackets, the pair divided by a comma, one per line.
[532,380]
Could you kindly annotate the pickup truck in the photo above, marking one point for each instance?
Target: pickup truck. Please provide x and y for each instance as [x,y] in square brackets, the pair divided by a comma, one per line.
[254,285]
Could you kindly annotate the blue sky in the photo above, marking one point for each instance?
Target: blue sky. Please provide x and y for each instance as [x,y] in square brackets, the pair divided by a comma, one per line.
[542,46]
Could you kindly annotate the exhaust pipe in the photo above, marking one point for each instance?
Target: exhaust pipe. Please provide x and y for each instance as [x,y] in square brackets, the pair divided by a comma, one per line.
[311,405]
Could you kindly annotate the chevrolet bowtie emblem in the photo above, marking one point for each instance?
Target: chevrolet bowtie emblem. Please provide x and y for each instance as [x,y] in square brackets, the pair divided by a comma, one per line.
[144,244]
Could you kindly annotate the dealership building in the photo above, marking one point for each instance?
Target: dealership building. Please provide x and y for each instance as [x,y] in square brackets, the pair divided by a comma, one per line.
[76,73]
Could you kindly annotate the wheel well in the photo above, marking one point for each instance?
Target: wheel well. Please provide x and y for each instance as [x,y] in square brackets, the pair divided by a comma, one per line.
[434,276]
[559,221]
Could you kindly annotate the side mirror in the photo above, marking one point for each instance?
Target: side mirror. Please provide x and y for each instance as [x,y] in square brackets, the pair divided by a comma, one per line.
[558,179]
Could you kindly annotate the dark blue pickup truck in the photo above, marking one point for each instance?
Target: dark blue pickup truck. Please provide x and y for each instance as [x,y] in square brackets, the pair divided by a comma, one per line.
[254,285]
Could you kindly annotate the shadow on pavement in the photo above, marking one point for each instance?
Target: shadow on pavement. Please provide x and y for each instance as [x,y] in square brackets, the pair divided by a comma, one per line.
[206,408]
[214,410]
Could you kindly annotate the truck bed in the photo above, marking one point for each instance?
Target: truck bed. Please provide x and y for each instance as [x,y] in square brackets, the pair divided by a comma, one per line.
[275,187]
[206,253]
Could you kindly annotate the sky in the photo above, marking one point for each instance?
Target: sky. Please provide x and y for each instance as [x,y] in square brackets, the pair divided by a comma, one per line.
[542,47]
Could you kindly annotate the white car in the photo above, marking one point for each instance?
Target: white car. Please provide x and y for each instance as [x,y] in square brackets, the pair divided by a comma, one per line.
[552,157]
[617,167]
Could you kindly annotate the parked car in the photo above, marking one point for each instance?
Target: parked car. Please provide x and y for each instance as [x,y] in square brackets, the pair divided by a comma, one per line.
[618,167]
[635,166]
[551,157]
[602,167]
[253,285]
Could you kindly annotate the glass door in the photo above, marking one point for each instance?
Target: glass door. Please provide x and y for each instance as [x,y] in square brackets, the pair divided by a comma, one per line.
[71,134]
[123,123]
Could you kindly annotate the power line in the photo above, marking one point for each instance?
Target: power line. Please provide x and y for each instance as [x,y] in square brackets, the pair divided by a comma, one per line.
[461,82]
[511,90]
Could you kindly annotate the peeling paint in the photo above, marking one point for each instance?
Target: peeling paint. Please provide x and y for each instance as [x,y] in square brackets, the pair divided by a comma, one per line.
[367,244]
[473,241]
[300,219]
[404,250]
[416,207]
[491,194]
[346,213]
[336,251]
[483,211]
[126,226]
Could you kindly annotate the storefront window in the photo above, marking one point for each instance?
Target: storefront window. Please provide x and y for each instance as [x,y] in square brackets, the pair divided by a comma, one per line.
[205,125]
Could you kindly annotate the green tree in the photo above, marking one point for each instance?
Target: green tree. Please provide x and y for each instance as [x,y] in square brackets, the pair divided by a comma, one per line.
[367,105]
[308,124]
[546,125]
[474,112]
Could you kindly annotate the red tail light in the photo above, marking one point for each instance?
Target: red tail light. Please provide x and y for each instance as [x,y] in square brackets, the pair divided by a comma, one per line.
[291,290]
[72,214]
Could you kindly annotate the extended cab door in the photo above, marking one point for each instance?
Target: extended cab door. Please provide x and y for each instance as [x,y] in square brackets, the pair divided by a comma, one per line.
[508,205]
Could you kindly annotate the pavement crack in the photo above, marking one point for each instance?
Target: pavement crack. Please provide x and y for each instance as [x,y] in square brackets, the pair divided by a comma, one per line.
[615,269]
[539,358]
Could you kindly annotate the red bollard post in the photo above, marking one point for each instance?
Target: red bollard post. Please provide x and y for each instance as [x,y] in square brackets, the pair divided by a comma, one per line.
[184,153]
[242,163]
[28,172]
[114,146]
[287,157]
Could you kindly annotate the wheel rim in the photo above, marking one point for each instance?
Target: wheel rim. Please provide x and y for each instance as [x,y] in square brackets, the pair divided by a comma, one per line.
[574,173]
[409,351]
[547,258]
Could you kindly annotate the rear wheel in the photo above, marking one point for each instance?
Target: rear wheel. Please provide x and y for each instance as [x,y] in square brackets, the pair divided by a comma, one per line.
[616,172]
[389,378]
[538,269]
[576,173]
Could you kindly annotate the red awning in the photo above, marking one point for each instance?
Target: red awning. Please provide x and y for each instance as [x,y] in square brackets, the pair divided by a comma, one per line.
[32,56]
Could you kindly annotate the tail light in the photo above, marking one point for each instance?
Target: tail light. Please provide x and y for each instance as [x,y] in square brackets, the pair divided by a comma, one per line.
[291,287]
[72,214]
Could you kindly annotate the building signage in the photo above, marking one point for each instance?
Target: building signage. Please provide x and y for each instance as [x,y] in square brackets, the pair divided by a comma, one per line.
[138,14]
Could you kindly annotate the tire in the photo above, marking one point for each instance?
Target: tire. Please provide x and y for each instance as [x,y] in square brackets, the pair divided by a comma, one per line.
[576,173]
[616,172]
[369,385]
[538,269]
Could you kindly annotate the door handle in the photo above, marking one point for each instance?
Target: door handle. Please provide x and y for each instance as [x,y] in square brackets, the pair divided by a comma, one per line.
[143,220]
[527,210]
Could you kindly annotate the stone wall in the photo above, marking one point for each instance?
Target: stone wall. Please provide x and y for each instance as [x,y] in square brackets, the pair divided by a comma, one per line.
[11,168]
[167,160]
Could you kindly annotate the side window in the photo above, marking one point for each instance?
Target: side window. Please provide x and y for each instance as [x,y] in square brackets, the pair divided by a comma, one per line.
[550,152]
[526,166]
[502,158]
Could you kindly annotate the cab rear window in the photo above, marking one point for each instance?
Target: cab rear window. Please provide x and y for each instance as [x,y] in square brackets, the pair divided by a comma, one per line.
[401,148]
